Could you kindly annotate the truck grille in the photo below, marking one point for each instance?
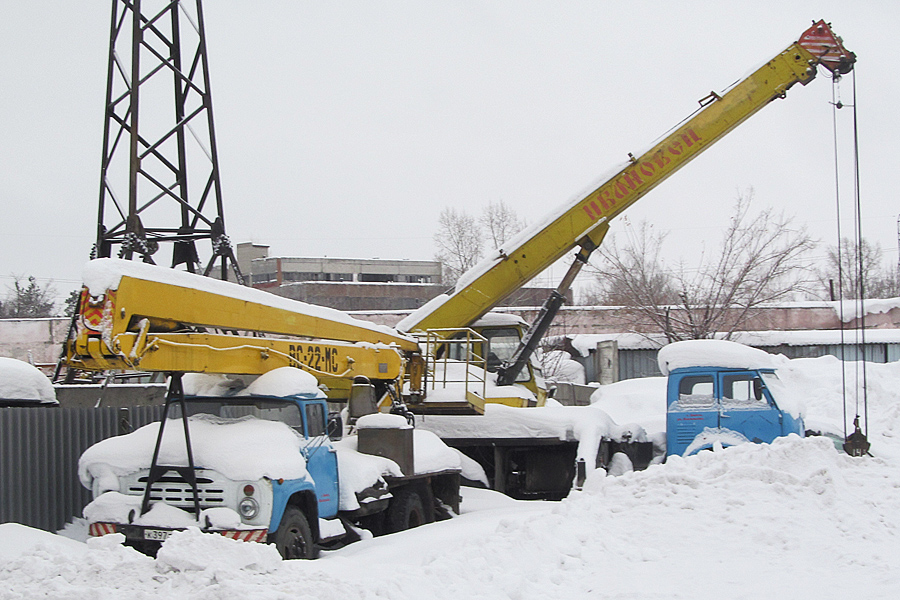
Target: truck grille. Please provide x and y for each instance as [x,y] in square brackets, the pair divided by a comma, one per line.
[175,491]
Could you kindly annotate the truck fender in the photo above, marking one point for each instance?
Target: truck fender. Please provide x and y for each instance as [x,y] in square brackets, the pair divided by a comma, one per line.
[296,492]
[707,439]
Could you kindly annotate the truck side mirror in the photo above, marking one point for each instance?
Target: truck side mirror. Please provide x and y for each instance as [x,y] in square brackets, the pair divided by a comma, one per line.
[335,427]
[757,389]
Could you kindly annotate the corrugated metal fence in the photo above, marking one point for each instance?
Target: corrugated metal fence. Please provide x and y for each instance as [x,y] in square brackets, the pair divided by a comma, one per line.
[39,450]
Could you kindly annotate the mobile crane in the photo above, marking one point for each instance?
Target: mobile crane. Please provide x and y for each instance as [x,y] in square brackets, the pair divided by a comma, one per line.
[301,493]
[525,453]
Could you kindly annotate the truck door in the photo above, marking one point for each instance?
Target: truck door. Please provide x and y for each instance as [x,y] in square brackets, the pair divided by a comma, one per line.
[746,409]
[692,408]
[321,459]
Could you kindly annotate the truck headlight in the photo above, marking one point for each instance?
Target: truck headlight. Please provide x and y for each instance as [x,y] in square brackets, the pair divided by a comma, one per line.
[249,508]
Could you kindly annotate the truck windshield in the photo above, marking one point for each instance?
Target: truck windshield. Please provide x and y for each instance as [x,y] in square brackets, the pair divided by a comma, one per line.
[268,409]
[502,344]
[776,387]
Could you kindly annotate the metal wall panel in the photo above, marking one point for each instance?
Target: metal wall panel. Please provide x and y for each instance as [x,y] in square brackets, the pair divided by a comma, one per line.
[638,363]
[643,363]
[39,450]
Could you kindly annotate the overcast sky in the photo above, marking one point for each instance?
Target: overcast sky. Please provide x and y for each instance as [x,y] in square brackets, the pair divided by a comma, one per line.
[345,127]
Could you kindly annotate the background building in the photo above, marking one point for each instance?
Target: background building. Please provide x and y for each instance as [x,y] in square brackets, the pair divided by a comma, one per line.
[355,283]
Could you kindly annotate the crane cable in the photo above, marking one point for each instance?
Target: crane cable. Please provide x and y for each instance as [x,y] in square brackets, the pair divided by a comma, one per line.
[856,444]
[835,105]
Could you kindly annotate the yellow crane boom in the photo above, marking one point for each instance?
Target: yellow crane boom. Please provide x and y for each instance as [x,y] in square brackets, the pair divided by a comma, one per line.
[136,316]
[585,221]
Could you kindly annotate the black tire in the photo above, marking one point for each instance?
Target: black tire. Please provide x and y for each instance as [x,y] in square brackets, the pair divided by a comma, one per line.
[406,510]
[294,538]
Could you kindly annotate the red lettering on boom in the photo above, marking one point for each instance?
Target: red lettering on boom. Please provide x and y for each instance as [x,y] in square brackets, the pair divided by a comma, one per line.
[629,181]
[633,179]
[661,159]
[690,137]
[606,199]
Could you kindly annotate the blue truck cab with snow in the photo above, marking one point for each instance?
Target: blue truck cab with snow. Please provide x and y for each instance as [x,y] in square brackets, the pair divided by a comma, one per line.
[288,511]
[726,404]
[263,468]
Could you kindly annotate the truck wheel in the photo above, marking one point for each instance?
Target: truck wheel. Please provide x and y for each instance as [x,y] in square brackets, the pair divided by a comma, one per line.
[294,538]
[405,511]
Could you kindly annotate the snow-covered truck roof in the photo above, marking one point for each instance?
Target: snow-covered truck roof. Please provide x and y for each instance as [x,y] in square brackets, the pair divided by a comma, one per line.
[714,353]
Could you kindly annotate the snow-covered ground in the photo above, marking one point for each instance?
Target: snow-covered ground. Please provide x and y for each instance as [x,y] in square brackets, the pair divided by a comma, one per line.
[795,519]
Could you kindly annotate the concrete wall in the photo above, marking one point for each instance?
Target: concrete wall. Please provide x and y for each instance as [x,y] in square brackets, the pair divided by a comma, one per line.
[37,341]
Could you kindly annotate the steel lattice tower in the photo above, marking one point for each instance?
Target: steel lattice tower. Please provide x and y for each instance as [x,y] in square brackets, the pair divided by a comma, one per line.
[159,120]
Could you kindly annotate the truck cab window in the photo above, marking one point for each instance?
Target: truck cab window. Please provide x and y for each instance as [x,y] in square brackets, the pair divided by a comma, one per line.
[696,391]
[743,389]
[502,344]
[315,420]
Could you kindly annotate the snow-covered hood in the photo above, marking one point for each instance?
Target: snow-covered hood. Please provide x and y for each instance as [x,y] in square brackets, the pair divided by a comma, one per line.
[241,449]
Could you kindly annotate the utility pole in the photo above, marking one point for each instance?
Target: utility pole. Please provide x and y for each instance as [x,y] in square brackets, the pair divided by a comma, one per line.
[159,122]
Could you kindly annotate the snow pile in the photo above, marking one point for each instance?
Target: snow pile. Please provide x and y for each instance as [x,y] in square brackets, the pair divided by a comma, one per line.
[359,471]
[113,507]
[270,449]
[21,381]
[432,455]
[794,518]
[284,382]
[583,424]
[640,400]
[382,421]
[558,365]
[715,437]
[191,550]
[714,353]
[791,519]
[280,382]
[190,564]
[819,382]
[211,384]
[16,540]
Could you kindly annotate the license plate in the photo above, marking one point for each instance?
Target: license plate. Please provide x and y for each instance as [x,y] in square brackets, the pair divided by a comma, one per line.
[158,535]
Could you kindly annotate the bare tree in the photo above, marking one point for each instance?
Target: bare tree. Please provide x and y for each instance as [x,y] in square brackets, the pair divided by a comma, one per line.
[759,262]
[460,237]
[635,274]
[27,300]
[458,242]
[500,223]
[853,265]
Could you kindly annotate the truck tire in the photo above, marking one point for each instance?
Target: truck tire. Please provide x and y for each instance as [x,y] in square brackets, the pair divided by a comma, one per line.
[405,511]
[294,537]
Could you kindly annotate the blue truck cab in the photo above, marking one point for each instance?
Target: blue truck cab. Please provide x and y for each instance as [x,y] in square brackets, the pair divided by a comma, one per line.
[299,510]
[729,405]
[285,511]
